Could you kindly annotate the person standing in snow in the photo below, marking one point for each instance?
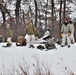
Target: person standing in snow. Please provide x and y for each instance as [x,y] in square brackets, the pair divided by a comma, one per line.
[72,31]
[65,34]
[9,35]
[30,30]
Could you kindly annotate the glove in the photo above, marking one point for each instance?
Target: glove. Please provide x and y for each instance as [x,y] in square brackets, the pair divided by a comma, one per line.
[69,34]
[62,35]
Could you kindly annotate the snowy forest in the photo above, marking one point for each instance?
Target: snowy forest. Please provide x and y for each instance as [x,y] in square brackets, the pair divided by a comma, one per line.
[23,53]
[43,13]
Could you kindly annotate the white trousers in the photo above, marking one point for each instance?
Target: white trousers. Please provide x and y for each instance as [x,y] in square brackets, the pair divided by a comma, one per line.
[9,40]
[72,38]
[31,40]
[65,37]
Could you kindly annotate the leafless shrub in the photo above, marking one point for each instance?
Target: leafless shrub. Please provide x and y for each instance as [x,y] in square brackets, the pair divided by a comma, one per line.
[41,68]
[38,68]
[69,71]
[23,68]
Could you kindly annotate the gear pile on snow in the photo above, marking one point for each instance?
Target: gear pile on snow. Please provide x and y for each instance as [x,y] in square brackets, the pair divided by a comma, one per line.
[21,41]
[40,47]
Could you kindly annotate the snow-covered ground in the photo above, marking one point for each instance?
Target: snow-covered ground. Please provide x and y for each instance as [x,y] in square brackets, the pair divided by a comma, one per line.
[60,62]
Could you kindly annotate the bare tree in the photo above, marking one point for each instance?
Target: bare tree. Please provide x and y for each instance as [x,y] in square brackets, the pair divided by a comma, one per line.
[64,11]
[35,2]
[46,14]
[60,12]
[23,17]
[4,10]
[17,10]
[52,8]
[52,13]
[39,19]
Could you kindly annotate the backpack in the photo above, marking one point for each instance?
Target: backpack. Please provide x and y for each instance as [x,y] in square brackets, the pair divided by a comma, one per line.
[40,47]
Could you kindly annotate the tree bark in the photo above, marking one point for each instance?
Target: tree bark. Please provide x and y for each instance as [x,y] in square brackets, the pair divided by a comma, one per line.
[60,16]
[17,11]
[35,12]
[23,17]
[4,10]
[52,13]
[64,10]
[46,14]
[52,7]
[3,15]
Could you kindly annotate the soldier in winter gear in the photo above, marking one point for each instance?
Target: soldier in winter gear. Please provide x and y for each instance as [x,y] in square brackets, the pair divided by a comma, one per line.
[30,30]
[9,35]
[50,43]
[65,29]
[72,31]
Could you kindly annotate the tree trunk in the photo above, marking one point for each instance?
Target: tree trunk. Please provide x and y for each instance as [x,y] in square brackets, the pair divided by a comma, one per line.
[4,10]
[52,8]
[35,12]
[60,15]
[46,14]
[17,11]
[40,19]
[3,15]
[52,13]
[64,10]
[23,17]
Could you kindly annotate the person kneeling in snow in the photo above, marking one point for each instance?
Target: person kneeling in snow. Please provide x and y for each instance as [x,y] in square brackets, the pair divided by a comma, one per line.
[21,41]
[9,35]
[50,43]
